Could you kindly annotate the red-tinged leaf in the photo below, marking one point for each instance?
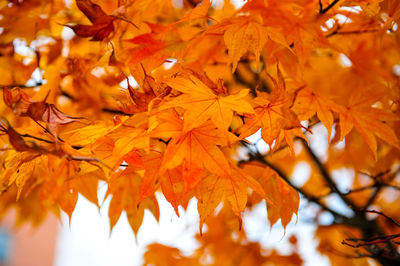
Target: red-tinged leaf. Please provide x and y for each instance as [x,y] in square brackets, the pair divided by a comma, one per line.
[102,23]
[17,141]
[148,45]
[23,105]
[92,11]
[98,32]
[133,159]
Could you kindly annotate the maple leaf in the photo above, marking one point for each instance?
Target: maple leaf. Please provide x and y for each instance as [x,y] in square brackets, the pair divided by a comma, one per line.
[309,103]
[102,23]
[124,187]
[171,182]
[195,149]
[148,46]
[234,188]
[156,47]
[284,200]
[201,103]
[200,11]
[128,135]
[244,36]
[206,79]
[367,120]
[273,113]
[23,105]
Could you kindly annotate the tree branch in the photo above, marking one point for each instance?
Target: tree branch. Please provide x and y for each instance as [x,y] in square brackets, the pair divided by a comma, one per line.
[260,158]
[327,177]
[382,214]
[22,86]
[326,9]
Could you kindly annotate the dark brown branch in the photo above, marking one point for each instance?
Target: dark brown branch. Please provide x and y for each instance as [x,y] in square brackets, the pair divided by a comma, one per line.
[336,32]
[37,138]
[22,86]
[373,186]
[326,9]
[368,242]
[260,158]
[382,214]
[114,111]
[379,187]
[104,109]
[327,177]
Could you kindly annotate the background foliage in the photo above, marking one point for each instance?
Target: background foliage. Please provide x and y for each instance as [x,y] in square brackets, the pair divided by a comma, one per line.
[161,95]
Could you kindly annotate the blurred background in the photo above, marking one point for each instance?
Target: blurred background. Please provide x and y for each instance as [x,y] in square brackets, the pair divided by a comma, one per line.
[87,239]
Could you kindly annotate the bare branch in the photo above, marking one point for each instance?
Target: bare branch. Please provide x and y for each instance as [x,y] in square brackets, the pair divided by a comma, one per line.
[327,176]
[326,9]
[260,158]
[382,214]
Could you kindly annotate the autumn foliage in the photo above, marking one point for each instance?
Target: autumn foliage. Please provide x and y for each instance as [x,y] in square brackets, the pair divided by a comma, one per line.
[155,95]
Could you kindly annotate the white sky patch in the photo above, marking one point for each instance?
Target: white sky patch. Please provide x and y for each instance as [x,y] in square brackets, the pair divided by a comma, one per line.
[334,202]
[258,229]
[259,142]
[301,174]
[343,178]
[132,82]
[238,3]
[395,27]
[98,71]
[88,240]
[345,61]
[67,34]
[319,141]
[169,63]
[354,9]
[396,70]
[177,3]
[328,24]
[342,19]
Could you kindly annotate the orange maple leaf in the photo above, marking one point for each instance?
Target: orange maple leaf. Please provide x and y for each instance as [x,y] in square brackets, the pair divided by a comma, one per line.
[273,113]
[201,103]
[368,121]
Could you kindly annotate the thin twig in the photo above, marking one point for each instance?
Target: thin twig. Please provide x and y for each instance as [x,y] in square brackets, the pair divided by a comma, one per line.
[22,86]
[368,242]
[350,32]
[326,9]
[382,214]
